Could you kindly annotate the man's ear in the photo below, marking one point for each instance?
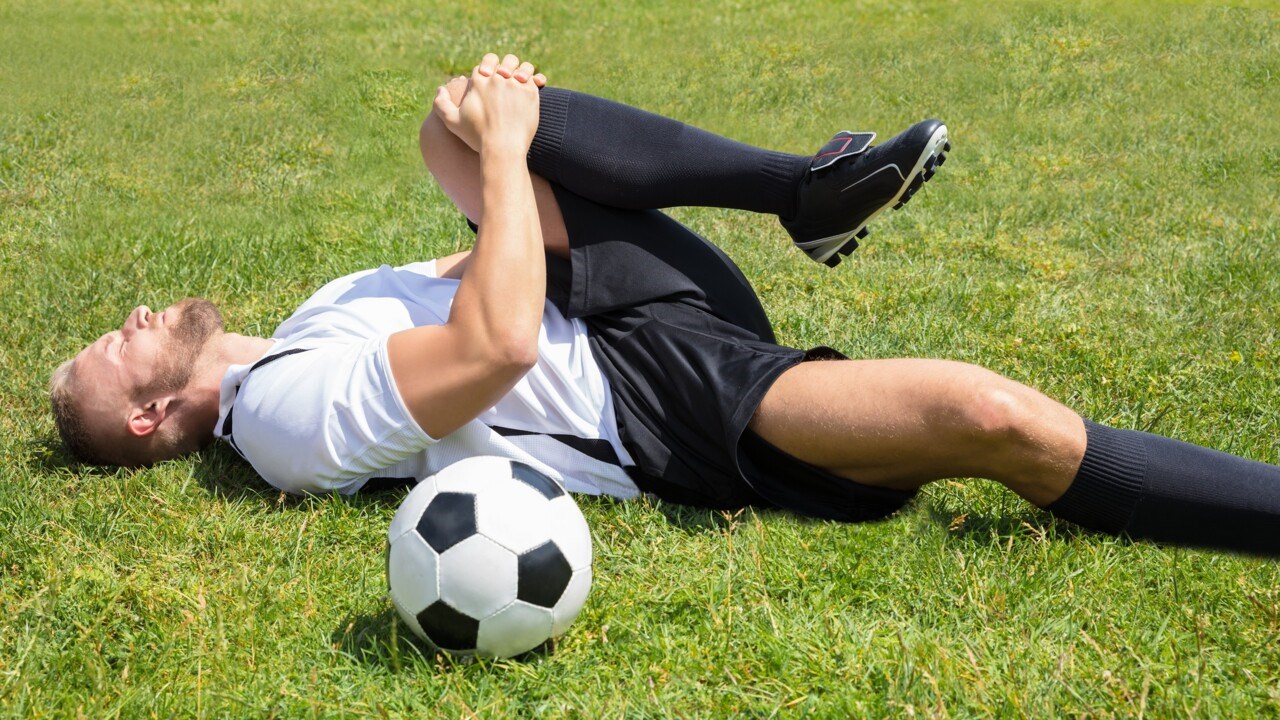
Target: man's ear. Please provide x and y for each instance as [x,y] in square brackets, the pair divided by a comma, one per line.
[144,419]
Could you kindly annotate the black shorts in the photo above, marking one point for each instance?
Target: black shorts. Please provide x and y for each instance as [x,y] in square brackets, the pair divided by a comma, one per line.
[689,354]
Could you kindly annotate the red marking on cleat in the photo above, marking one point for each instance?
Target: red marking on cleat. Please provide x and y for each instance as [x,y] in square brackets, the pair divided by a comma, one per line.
[837,151]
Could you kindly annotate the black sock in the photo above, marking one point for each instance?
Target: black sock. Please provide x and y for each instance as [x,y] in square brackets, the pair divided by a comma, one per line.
[1155,488]
[624,157]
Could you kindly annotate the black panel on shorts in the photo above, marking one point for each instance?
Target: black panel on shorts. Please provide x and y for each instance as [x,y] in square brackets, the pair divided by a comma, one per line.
[689,355]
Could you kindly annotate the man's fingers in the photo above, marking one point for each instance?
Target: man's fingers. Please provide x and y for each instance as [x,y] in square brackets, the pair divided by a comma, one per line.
[524,72]
[445,107]
[508,65]
[457,88]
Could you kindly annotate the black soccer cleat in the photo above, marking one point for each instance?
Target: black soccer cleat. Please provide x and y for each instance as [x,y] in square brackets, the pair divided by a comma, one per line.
[850,182]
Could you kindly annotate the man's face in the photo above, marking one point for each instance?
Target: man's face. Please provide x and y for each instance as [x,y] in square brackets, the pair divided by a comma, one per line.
[152,353]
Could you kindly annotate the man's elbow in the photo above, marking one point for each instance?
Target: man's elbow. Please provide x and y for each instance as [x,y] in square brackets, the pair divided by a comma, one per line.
[516,352]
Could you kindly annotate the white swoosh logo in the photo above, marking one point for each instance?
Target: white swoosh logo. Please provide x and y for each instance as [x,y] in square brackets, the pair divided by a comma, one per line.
[877,172]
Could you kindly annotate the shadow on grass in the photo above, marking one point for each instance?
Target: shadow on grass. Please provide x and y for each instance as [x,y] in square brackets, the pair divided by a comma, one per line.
[229,478]
[383,640]
[998,528]
[217,468]
[48,455]
[692,519]
[695,519]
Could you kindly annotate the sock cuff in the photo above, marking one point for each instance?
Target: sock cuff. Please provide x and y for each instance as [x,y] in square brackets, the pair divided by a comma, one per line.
[1110,480]
[783,173]
[553,117]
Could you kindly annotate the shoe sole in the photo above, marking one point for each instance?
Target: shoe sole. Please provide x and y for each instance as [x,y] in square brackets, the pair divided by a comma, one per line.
[830,250]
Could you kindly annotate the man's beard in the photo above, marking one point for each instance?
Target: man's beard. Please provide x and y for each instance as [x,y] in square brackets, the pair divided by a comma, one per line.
[198,321]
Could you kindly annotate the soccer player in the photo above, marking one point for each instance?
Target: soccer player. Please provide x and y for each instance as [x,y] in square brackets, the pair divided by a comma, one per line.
[595,338]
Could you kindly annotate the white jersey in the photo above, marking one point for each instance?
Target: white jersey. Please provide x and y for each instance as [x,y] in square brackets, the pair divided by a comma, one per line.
[328,416]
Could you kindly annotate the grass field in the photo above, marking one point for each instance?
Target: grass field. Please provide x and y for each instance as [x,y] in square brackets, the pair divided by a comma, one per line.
[1106,230]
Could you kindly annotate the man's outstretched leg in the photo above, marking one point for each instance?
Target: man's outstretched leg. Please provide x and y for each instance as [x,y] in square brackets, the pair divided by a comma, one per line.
[623,157]
[904,423]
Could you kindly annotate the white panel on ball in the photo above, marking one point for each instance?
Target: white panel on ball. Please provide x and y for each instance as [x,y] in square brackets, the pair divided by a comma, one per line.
[569,531]
[413,564]
[571,602]
[411,507]
[478,577]
[515,518]
[515,629]
[467,475]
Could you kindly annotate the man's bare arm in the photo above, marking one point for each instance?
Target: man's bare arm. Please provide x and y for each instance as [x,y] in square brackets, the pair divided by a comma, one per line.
[452,266]
[449,374]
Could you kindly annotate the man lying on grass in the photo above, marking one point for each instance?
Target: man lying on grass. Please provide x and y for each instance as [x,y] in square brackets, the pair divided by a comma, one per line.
[592,336]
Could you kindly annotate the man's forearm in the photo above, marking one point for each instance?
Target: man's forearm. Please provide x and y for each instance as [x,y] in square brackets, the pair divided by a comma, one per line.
[500,299]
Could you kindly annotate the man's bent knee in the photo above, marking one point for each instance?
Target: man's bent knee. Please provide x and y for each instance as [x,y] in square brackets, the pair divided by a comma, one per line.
[430,137]
[992,410]
[996,411]
[434,135]
[1031,442]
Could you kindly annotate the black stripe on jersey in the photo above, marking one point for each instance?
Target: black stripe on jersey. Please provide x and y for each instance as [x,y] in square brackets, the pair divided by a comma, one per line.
[226,424]
[381,484]
[598,449]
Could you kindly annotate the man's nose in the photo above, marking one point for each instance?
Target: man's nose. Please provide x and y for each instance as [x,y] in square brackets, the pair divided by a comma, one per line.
[136,321]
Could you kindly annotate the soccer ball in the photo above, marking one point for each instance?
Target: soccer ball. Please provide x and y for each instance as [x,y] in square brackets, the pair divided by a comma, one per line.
[490,557]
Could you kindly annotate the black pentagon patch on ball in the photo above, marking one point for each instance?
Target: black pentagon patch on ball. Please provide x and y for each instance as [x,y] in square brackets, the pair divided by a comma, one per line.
[544,574]
[447,628]
[447,520]
[549,488]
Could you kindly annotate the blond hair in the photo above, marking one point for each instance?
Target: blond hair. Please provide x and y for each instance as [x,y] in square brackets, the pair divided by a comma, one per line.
[69,419]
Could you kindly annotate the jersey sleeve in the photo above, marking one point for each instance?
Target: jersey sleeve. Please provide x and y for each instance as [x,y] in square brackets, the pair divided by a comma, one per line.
[325,420]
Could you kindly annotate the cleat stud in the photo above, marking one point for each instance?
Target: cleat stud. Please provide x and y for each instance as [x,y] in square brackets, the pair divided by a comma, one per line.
[832,261]
[862,233]
[900,204]
[928,176]
[941,159]
[848,247]
[946,146]
[931,162]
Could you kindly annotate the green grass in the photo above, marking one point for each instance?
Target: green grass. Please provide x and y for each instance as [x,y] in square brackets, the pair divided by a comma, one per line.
[1106,230]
